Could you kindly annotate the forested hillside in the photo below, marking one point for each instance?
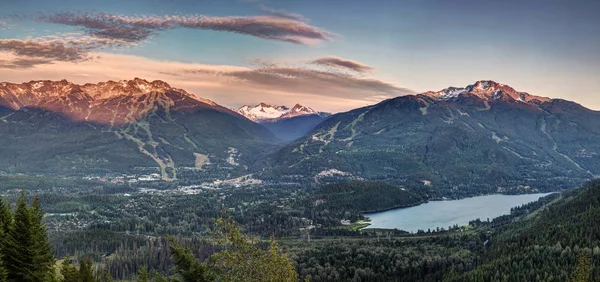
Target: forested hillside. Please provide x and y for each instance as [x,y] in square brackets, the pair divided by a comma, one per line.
[556,238]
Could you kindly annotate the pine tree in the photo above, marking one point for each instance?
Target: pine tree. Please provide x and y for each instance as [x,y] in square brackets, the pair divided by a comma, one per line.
[584,269]
[3,273]
[105,277]
[5,216]
[143,275]
[43,258]
[246,261]
[19,250]
[157,277]
[187,266]
[85,271]
[68,271]
[5,223]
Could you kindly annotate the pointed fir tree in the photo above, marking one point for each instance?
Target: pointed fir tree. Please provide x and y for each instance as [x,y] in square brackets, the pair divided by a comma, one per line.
[19,259]
[143,275]
[3,277]
[5,216]
[5,223]
[86,274]
[43,258]
[69,272]
[106,277]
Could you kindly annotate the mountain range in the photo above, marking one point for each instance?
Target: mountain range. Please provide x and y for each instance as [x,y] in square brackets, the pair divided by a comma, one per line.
[61,127]
[286,123]
[484,137]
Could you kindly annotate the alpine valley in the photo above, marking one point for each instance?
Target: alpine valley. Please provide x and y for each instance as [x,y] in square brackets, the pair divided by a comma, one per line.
[481,138]
[117,165]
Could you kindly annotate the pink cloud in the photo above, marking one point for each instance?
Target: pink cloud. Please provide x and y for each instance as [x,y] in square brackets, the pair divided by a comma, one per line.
[277,26]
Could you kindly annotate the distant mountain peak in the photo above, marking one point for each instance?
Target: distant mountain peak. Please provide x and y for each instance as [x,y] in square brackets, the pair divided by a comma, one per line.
[266,112]
[488,90]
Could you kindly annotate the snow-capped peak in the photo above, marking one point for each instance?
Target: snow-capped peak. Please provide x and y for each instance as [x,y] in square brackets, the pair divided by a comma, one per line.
[487,90]
[264,112]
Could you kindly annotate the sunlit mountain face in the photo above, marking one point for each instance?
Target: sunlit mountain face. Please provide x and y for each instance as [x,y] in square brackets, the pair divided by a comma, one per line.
[113,103]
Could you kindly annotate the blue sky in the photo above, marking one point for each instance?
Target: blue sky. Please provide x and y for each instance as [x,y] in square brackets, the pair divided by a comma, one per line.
[547,48]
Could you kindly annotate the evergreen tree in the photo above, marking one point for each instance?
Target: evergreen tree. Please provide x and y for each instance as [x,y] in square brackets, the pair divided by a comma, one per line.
[5,216]
[3,277]
[245,261]
[5,223]
[43,259]
[156,277]
[86,274]
[68,271]
[188,268]
[143,275]
[583,270]
[19,250]
[105,277]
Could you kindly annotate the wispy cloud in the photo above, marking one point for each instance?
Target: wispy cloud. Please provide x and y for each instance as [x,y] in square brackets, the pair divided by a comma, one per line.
[337,62]
[315,81]
[132,29]
[58,50]
[23,62]
[4,25]
[282,14]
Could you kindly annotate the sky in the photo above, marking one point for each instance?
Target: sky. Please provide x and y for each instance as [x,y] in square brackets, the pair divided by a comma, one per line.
[331,55]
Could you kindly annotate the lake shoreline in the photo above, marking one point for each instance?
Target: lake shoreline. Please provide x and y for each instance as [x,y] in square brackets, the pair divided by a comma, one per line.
[453,216]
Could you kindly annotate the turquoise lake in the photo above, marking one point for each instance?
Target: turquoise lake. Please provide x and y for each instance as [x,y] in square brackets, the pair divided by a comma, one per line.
[448,213]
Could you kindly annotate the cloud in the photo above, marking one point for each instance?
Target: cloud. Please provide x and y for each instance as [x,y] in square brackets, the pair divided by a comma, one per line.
[283,14]
[42,50]
[338,62]
[20,62]
[5,26]
[106,26]
[314,81]
[224,84]
[282,27]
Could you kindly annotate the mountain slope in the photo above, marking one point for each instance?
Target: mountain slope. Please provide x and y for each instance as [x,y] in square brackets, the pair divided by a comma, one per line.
[292,128]
[545,245]
[485,137]
[61,127]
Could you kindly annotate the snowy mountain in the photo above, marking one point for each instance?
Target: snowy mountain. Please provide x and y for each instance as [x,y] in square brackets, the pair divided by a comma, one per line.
[265,113]
[111,102]
[488,91]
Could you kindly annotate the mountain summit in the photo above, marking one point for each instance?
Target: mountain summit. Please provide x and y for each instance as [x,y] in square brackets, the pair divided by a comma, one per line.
[269,113]
[487,90]
[286,123]
[111,102]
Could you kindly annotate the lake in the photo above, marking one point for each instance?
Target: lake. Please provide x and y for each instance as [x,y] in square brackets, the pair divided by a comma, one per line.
[448,213]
